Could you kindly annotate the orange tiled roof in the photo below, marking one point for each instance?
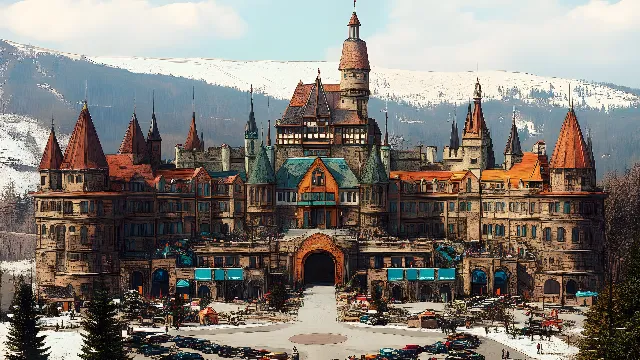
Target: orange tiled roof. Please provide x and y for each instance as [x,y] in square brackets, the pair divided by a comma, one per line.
[419,175]
[531,168]
[331,87]
[178,174]
[354,20]
[133,141]
[301,94]
[121,167]
[354,55]
[571,150]
[52,157]
[84,150]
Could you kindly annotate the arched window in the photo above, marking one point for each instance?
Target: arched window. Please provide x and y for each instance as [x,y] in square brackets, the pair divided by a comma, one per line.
[571,287]
[84,235]
[561,233]
[547,234]
[72,229]
[43,229]
[575,235]
[551,287]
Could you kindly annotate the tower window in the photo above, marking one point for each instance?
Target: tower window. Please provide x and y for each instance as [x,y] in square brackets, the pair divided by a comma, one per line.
[345,75]
[318,178]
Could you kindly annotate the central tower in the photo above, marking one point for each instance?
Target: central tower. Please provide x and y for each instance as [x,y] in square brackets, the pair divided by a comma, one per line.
[354,70]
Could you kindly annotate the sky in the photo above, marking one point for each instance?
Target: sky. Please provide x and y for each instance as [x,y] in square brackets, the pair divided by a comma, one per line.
[582,39]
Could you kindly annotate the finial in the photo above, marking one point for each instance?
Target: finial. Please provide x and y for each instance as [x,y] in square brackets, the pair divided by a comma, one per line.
[86,86]
[193,100]
[318,72]
[84,105]
[354,5]
[153,101]
[52,128]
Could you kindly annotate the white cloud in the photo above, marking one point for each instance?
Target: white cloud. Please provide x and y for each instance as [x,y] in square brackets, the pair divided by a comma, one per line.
[120,26]
[593,41]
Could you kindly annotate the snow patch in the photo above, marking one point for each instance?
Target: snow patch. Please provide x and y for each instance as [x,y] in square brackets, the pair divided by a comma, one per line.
[55,92]
[22,267]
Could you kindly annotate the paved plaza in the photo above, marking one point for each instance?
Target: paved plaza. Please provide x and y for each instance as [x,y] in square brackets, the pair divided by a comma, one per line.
[318,334]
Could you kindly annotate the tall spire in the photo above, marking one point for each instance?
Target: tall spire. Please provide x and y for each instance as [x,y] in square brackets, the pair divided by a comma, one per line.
[571,151]
[386,121]
[269,132]
[454,139]
[133,141]
[84,150]
[513,143]
[475,126]
[52,156]
[193,140]
[251,129]
[193,101]
[154,133]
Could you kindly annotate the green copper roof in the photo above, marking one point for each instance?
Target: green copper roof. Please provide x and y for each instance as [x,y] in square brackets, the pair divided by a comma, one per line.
[262,171]
[293,169]
[374,171]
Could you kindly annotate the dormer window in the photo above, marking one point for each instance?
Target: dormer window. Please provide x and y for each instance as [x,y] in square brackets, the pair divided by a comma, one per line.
[317,177]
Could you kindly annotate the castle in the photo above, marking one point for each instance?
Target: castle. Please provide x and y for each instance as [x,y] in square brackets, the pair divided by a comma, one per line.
[329,200]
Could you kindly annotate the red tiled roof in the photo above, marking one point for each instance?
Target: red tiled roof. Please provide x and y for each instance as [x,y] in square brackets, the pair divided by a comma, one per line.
[354,55]
[178,174]
[474,124]
[533,167]
[121,167]
[346,117]
[301,94]
[419,175]
[133,141]
[193,141]
[571,150]
[84,150]
[52,157]
[354,20]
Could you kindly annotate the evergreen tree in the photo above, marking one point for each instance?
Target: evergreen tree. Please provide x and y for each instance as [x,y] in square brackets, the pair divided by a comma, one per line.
[23,340]
[103,331]
[133,304]
[278,296]
[612,327]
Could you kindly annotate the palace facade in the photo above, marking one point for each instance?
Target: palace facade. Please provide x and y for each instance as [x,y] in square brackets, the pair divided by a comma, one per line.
[329,200]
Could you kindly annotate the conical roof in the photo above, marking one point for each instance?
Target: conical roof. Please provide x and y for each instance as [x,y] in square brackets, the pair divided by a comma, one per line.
[374,171]
[262,171]
[52,156]
[84,150]
[154,133]
[513,143]
[133,141]
[193,141]
[571,151]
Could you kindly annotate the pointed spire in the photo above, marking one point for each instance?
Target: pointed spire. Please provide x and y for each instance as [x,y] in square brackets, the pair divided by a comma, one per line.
[52,156]
[475,126]
[133,141]
[84,150]
[251,129]
[154,132]
[571,151]
[374,171]
[261,171]
[269,132]
[193,141]
[513,143]
[454,140]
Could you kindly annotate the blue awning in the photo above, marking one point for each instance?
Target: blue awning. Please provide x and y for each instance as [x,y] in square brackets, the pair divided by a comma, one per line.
[395,274]
[202,274]
[235,274]
[427,274]
[447,274]
[586,293]
[218,274]
[182,283]
[412,274]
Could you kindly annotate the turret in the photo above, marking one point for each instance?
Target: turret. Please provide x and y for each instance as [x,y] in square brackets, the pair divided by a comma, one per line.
[50,175]
[354,69]
[154,140]
[133,142]
[374,182]
[513,151]
[261,187]
[250,138]
[477,147]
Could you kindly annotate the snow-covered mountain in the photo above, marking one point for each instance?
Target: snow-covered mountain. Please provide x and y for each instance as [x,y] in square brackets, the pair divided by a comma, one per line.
[22,141]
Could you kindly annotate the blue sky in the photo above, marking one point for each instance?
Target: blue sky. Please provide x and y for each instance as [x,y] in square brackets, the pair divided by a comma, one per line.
[585,39]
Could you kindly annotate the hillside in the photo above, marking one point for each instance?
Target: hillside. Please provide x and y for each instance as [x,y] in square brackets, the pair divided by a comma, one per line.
[37,83]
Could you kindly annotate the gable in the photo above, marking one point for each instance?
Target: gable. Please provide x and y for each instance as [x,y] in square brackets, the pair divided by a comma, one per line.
[306,184]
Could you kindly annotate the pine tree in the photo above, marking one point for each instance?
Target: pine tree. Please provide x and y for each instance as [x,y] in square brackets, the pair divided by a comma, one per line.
[23,340]
[103,331]
[278,296]
[132,304]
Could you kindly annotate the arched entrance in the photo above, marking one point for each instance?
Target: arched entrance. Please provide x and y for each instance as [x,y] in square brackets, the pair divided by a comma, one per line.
[319,268]
[500,282]
[426,293]
[204,292]
[160,283]
[322,245]
[552,287]
[445,293]
[571,288]
[478,282]
[136,282]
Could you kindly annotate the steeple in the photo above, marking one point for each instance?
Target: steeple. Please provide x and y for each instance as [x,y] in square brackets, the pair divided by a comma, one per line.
[454,139]
[374,171]
[269,132]
[571,151]
[52,156]
[154,132]
[193,141]
[84,150]
[475,126]
[133,141]
[513,143]
[251,129]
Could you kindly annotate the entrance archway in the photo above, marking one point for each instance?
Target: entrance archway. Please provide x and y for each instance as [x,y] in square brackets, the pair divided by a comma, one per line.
[552,287]
[478,282]
[500,282]
[396,292]
[319,243]
[204,291]
[319,268]
[136,282]
[160,283]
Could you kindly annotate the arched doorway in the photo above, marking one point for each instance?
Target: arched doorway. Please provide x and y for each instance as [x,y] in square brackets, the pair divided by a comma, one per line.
[319,268]
[204,291]
[500,282]
[426,294]
[552,287]
[478,282]
[571,288]
[314,244]
[160,283]
[136,282]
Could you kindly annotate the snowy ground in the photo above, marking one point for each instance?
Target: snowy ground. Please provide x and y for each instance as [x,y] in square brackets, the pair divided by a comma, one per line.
[11,270]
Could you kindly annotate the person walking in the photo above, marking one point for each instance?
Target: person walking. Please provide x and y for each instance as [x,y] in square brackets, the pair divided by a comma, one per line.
[508,357]
[538,347]
[502,353]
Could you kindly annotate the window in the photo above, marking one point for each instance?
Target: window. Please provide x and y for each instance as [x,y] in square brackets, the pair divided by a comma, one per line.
[79,179]
[84,235]
[451,229]
[393,206]
[378,262]
[561,234]
[534,231]
[72,229]
[396,261]
[468,205]
[575,235]
[532,208]
[547,234]
[452,206]
[408,261]
[217,261]
[43,180]
[468,188]
[518,232]
[524,230]
[317,177]
[84,207]
[254,262]
[567,207]
[70,178]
